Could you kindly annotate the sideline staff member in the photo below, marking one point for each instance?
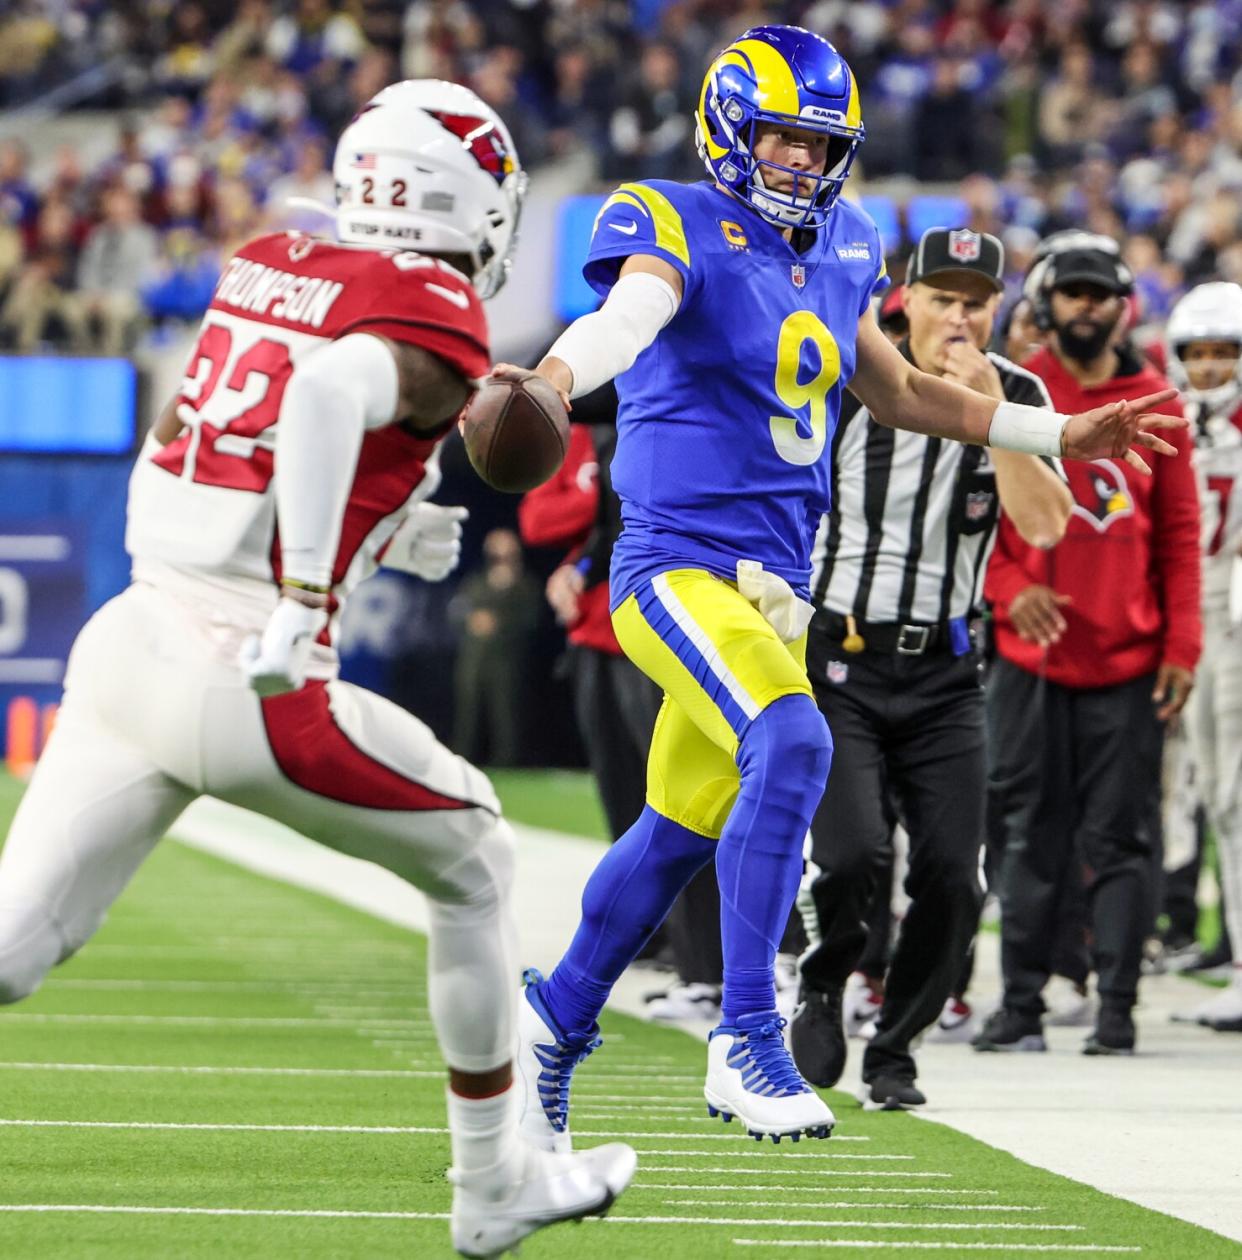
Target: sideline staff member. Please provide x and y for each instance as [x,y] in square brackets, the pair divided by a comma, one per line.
[899,567]
[1096,642]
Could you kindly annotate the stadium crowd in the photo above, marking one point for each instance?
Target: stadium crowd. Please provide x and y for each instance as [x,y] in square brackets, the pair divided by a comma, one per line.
[1124,119]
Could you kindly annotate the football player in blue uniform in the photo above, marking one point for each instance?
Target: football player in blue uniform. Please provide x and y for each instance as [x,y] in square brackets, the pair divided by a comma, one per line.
[737,309]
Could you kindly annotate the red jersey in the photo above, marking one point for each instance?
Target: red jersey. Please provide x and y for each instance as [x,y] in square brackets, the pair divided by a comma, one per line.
[1129,558]
[202,510]
[561,513]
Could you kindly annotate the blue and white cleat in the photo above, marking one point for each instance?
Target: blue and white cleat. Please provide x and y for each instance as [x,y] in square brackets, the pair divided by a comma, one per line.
[546,1058]
[751,1075]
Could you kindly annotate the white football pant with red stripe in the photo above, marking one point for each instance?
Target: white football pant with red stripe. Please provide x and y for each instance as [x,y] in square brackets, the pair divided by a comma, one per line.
[156,713]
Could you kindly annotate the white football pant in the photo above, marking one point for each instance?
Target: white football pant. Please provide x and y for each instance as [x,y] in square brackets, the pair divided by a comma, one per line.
[155,713]
[1214,725]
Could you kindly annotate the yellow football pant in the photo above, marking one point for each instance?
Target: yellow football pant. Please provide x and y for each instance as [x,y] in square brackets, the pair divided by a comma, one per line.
[720,665]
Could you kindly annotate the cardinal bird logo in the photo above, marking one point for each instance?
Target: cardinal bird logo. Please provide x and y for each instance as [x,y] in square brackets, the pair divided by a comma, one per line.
[1108,499]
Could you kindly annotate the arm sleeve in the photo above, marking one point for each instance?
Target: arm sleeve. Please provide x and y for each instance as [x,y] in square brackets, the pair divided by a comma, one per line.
[334,396]
[636,219]
[603,344]
[1175,544]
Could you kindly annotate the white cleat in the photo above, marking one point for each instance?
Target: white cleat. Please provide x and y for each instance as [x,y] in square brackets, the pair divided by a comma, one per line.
[956,1023]
[552,1188]
[750,1075]
[1223,1006]
[546,1059]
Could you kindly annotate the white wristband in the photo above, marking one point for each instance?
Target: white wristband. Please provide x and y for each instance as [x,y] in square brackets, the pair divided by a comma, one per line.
[1031,430]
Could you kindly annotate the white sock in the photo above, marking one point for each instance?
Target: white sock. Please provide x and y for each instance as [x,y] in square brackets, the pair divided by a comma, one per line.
[487,1152]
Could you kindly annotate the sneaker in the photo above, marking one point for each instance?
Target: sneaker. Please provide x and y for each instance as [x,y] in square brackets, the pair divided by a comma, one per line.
[1212,961]
[1008,1030]
[1069,1005]
[891,1093]
[750,1075]
[1223,1005]
[817,1035]
[685,1001]
[956,1023]
[546,1058]
[1114,1033]
[861,1005]
[1181,953]
[552,1188]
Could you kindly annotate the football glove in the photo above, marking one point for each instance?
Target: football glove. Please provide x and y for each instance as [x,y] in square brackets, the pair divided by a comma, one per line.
[276,663]
[427,543]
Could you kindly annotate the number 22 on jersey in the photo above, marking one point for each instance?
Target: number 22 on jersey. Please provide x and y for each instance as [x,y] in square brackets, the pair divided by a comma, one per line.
[796,331]
[231,395]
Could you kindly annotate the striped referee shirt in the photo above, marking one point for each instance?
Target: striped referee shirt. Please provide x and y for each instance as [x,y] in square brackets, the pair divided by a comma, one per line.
[913,518]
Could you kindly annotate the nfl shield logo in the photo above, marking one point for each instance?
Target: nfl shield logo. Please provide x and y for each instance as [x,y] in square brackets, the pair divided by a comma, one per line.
[798,272]
[964,245]
[838,672]
[978,503]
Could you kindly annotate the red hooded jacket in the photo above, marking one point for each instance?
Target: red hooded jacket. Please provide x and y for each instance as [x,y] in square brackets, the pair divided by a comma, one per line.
[1129,558]
[560,513]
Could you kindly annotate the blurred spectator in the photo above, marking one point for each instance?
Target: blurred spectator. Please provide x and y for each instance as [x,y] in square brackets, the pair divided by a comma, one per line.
[187,64]
[649,129]
[309,179]
[119,257]
[498,609]
[19,203]
[40,310]
[1073,110]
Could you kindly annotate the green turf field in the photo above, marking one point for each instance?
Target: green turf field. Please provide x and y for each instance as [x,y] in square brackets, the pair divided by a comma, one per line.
[238,1068]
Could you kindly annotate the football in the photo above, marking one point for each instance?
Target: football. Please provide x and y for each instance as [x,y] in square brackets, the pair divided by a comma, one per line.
[516,433]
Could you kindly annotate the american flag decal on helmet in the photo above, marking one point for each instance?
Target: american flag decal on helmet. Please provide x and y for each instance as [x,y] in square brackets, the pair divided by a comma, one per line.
[363,162]
[481,139]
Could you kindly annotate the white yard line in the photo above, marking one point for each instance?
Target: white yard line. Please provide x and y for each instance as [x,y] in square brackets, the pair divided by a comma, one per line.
[775,1205]
[641,1184]
[205,1070]
[907,1245]
[218,1128]
[743,1154]
[786,1171]
[408,1027]
[133,1210]
[734,1222]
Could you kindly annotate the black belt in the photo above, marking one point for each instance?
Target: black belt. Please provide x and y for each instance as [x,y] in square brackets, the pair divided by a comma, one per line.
[910,639]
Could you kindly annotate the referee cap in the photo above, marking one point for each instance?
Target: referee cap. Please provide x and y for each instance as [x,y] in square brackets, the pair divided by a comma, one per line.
[958,249]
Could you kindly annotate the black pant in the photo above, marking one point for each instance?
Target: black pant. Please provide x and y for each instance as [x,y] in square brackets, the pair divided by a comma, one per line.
[912,726]
[616,706]
[1073,776]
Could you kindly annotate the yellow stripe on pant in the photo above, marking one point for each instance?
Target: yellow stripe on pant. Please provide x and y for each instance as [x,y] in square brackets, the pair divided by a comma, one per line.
[720,665]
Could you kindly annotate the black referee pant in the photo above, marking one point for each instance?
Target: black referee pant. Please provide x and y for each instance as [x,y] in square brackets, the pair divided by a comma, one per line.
[1073,773]
[912,726]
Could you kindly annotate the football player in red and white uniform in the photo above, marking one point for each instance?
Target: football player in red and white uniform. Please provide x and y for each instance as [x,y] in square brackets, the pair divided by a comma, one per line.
[294,458]
[1204,337]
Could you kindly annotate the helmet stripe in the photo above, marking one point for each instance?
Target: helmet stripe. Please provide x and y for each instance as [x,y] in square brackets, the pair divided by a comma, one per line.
[853,113]
[778,89]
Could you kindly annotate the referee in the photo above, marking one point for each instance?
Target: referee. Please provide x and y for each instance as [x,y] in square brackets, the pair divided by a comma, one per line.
[899,567]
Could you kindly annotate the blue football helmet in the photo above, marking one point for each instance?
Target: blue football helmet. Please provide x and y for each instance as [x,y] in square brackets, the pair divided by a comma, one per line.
[779,74]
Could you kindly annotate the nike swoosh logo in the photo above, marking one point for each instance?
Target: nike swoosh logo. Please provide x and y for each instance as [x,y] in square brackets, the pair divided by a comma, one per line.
[456,296]
[628,230]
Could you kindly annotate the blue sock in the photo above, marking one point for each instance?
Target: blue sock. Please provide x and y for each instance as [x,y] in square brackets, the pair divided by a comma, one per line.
[627,897]
[784,757]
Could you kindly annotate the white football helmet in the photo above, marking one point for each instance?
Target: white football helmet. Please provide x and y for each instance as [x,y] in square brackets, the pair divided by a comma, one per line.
[427,166]
[1209,312]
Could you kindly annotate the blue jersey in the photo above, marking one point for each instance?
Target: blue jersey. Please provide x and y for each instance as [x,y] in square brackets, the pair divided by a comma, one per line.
[726,420]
